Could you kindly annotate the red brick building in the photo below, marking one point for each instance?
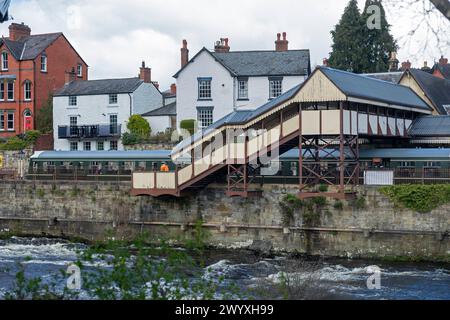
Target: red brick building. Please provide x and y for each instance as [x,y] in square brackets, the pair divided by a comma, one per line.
[442,69]
[31,68]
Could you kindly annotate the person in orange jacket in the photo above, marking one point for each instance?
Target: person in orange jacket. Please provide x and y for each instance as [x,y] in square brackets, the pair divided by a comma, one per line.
[164,167]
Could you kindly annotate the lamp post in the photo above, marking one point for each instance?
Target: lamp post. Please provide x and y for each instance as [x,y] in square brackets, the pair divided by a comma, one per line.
[21,164]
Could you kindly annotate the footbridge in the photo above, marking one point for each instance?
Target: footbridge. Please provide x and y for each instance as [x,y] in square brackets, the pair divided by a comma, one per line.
[327,117]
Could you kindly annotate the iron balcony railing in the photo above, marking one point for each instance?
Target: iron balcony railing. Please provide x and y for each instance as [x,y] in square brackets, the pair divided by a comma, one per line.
[89,131]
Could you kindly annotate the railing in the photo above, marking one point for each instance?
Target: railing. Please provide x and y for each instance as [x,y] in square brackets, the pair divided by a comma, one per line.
[89,131]
[414,175]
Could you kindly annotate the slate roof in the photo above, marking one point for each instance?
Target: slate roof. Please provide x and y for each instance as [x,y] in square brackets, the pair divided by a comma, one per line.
[262,63]
[431,126]
[96,87]
[363,87]
[167,110]
[393,77]
[436,89]
[30,47]
[444,69]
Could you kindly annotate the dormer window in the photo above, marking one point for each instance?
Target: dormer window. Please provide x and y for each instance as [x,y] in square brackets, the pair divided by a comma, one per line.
[43,63]
[5,62]
[80,70]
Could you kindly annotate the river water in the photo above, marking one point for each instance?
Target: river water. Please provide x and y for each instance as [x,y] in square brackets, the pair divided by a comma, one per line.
[321,279]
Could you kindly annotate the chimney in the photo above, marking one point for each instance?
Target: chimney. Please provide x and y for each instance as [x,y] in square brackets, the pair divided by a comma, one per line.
[393,62]
[222,46]
[425,67]
[18,31]
[173,89]
[443,61]
[326,62]
[406,65]
[184,54]
[145,73]
[70,76]
[281,45]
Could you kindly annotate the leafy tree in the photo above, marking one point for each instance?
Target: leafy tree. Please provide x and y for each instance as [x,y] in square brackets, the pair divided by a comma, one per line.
[138,126]
[356,47]
[44,116]
[188,125]
[378,43]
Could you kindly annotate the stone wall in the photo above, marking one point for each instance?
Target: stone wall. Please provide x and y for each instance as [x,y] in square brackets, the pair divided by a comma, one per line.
[87,210]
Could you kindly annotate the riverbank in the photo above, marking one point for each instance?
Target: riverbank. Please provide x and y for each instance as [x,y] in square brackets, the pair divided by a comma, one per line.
[370,227]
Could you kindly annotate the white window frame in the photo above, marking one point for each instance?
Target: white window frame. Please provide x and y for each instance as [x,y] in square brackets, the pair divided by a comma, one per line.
[87,146]
[113,98]
[44,63]
[8,91]
[71,144]
[204,88]
[102,143]
[8,121]
[27,91]
[5,61]
[242,89]
[2,120]
[275,88]
[2,91]
[111,146]
[80,70]
[73,101]
[205,116]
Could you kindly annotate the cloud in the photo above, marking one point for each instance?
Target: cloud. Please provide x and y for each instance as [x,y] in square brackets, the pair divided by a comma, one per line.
[114,36]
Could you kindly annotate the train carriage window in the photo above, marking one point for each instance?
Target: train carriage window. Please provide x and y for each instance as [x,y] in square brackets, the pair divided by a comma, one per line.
[407,164]
[432,164]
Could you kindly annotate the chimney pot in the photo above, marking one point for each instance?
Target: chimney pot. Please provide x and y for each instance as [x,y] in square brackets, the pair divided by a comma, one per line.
[281,45]
[184,54]
[145,73]
[18,31]
[406,65]
[325,62]
[173,88]
[443,61]
[222,45]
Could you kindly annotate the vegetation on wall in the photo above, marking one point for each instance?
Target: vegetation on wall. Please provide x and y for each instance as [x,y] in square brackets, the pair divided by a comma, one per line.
[421,198]
[44,116]
[21,142]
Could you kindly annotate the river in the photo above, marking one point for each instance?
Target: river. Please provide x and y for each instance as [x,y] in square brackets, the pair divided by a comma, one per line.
[322,278]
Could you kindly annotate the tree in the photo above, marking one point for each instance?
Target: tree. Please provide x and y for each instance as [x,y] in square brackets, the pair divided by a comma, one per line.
[139,127]
[378,43]
[358,48]
[44,116]
[188,125]
[347,53]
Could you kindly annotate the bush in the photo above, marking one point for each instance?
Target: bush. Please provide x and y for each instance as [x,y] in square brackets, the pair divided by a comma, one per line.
[188,125]
[421,198]
[338,205]
[130,139]
[138,126]
[44,116]
[31,137]
[323,188]
[13,144]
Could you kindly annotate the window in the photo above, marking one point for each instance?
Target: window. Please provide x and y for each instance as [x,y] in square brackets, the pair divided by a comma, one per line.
[2,91]
[407,164]
[5,62]
[275,87]
[80,70]
[205,117]
[10,121]
[87,146]
[113,124]
[113,99]
[27,91]
[10,91]
[2,121]
[204,88]
[44,63]
[73,101]
[73,121]
[100,146]
[74,146]
[113,146]
[243,89]
[432,164]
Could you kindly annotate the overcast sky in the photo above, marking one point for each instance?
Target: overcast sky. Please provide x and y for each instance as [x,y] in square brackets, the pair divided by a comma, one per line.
[114,36]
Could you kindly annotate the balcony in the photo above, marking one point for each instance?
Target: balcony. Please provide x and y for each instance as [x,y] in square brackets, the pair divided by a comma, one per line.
[89,132]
